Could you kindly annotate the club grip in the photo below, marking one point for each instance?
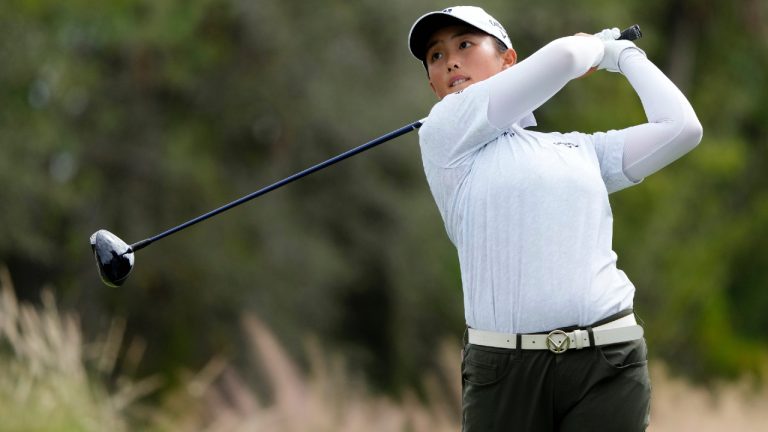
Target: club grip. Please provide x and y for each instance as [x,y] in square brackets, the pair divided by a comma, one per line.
[631,33]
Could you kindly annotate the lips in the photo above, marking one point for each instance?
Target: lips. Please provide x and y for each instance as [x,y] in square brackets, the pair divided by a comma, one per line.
[459,79]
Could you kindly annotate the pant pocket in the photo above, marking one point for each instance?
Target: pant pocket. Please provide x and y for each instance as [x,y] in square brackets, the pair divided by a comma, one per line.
[624,355]
[485,366]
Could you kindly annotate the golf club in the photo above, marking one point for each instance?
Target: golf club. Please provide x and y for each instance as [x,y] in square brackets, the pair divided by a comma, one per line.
[115,258]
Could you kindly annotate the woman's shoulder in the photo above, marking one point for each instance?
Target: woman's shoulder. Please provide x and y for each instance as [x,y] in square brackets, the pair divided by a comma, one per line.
[457,126]
[459,110]
[462,100]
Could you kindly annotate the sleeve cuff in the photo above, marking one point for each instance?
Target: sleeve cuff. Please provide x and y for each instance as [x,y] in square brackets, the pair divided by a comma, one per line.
[613,160]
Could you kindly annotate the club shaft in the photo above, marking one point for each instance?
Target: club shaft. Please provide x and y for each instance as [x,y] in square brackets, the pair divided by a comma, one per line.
[349,153]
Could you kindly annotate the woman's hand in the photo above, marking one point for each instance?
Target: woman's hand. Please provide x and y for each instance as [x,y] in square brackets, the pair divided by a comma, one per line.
[613,48]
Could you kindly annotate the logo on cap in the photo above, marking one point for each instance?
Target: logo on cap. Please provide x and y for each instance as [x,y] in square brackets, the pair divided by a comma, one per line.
[498,25]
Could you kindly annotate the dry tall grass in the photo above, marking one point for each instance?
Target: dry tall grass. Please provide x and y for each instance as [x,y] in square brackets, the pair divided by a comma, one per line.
[45,383]
[328,399]
[678,406]
[50,380]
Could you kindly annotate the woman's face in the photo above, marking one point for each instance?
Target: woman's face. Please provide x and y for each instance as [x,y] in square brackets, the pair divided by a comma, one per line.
[458,56]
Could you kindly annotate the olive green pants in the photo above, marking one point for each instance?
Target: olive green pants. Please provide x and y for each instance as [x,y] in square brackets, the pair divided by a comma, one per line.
[603,389]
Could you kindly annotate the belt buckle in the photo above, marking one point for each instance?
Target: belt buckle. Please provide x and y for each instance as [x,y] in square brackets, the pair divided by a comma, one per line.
[558,341]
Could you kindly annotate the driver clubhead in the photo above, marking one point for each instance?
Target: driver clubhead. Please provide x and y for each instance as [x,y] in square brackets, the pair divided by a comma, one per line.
[113,257]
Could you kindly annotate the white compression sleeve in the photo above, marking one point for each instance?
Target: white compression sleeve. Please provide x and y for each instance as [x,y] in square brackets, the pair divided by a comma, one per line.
[525,86]
[672,129]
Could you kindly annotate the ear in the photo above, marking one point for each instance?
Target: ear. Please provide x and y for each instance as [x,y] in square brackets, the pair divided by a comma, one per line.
[509,58]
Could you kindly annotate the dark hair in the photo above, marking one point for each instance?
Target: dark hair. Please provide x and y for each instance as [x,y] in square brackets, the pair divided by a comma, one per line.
[500,46]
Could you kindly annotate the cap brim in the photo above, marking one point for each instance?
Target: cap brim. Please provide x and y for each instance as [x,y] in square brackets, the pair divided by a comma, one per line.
[425,27]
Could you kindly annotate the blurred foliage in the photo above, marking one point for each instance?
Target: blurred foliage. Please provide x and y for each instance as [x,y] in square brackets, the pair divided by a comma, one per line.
[136,115]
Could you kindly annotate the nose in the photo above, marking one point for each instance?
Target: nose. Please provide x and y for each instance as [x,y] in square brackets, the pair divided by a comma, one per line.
[452,63]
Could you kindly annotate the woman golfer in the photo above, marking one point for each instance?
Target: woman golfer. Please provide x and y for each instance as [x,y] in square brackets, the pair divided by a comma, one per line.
[552,343]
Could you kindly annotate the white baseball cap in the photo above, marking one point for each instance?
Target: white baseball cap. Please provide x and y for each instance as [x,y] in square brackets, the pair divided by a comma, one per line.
[429,23]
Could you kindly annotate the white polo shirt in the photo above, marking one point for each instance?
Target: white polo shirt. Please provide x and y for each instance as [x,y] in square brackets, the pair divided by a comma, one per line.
[529,215]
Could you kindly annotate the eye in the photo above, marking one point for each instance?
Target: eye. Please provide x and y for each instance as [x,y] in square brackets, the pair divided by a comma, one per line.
[435,56]
[465,44]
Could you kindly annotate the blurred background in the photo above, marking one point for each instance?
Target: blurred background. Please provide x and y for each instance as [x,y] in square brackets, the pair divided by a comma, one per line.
[137,115]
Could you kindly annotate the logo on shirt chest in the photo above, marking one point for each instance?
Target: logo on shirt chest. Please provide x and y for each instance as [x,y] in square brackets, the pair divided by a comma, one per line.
[566,144]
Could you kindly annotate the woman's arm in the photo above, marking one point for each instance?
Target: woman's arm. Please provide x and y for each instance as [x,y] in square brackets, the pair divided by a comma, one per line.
[672,129]
[462,123]
[527,85]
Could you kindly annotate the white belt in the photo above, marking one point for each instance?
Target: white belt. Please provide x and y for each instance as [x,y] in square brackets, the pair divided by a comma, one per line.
[621,330]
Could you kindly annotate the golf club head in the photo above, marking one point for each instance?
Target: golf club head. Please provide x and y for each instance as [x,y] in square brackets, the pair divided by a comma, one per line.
[113,257]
